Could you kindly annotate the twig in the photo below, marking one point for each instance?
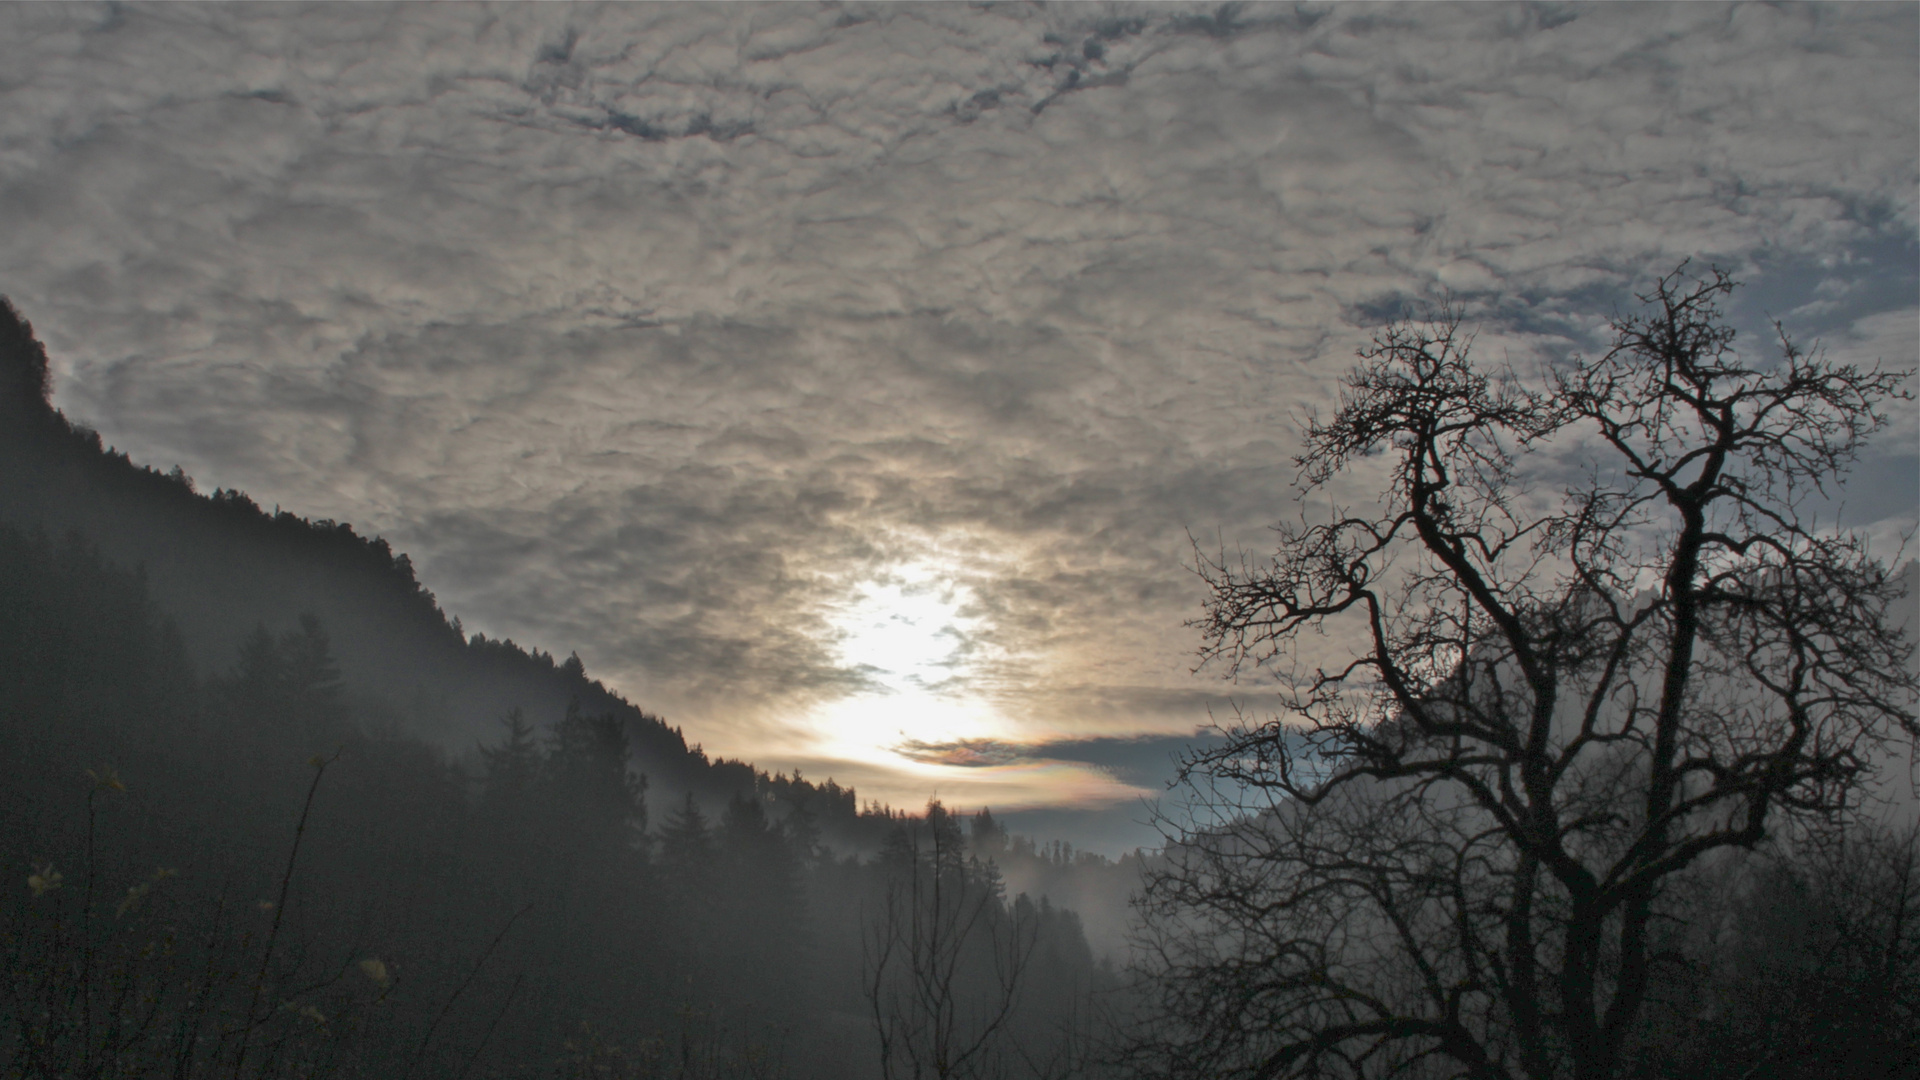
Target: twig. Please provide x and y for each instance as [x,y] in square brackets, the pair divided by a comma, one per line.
[462,988]
[488,1034]
[279,913]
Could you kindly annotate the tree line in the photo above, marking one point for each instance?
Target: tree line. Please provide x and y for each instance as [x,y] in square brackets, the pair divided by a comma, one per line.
[232,876]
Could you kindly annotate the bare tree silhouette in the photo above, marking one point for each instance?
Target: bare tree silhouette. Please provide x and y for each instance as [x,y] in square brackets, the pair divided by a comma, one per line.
[944,959]
[1454,856]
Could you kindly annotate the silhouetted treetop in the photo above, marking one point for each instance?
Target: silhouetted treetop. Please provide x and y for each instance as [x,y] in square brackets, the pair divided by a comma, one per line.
[25,378]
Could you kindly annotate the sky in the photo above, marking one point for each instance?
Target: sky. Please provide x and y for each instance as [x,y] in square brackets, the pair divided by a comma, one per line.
[849,384]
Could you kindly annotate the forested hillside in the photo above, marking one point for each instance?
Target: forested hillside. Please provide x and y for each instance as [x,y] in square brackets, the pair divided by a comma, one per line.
[220,566]
[245,853]
[222,569]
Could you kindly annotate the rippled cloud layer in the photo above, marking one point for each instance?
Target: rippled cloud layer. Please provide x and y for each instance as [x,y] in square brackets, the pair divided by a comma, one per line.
[844,381]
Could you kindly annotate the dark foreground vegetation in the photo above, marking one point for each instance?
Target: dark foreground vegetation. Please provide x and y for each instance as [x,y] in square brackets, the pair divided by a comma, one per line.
[1596,801]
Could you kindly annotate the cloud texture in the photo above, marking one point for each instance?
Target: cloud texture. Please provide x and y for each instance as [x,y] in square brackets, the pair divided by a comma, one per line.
[673,333]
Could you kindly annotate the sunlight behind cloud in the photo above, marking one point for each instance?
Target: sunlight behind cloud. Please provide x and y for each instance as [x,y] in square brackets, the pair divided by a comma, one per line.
[908,630]
[915,636]
[908,633]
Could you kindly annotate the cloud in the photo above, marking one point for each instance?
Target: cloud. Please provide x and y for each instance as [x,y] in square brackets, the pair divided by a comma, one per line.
[657,331]
[965,753]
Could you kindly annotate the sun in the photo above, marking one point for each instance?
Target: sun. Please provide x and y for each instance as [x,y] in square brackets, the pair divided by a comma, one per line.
[909,630]
[925,717]
[912,634]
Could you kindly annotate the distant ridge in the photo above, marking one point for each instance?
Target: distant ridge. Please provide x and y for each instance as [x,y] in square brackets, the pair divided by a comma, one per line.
[219,565]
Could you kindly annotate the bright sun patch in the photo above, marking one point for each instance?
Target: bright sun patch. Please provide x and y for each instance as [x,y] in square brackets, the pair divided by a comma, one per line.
[917,638]
[909,633]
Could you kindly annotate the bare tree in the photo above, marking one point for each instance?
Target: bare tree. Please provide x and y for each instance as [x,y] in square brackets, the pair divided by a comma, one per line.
[1454,856]
[944,959]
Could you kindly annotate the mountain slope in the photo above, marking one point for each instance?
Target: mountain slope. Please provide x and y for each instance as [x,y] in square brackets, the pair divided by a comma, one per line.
[220,566]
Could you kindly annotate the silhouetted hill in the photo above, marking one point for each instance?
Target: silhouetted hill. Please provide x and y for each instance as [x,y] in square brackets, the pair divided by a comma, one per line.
[220,566]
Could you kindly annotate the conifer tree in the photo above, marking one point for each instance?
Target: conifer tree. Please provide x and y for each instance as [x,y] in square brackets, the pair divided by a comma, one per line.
[284,694]
[686,844]
[988,837]
[513,767]
[589,766]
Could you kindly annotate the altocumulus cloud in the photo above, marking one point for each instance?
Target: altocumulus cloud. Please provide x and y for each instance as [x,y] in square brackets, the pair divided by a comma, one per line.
[657,331]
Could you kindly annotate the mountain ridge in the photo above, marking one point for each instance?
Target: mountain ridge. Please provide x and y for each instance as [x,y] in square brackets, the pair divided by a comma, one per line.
[220,565]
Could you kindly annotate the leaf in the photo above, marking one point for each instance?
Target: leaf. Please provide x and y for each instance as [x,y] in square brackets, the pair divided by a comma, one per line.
[45,881]
[132,899]
[106,779]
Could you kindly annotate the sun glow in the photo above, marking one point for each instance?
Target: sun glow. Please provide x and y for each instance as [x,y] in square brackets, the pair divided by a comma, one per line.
[909,631]
[922,718]
[911,636]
